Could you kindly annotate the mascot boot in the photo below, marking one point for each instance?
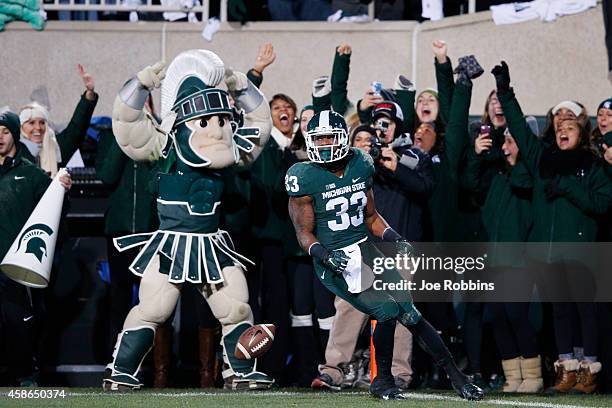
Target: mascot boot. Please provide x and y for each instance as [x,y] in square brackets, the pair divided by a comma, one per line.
[241,374]
[131,349]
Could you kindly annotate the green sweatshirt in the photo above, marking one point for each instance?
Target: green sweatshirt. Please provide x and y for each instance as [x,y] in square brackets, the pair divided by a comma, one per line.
[337,99]
[444,202]
[506,212]
[572,215]
[22,184]
[269,200]
[446,88]
[131,206]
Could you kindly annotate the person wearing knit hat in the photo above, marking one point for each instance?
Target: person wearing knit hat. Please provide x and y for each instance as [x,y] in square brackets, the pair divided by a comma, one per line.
[22,184]
[46,148]
[427,105]
[565,110]
[11,122]
[603,128]
[604,116]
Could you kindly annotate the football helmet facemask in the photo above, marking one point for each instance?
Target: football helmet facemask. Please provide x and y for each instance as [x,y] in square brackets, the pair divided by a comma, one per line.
[327,137]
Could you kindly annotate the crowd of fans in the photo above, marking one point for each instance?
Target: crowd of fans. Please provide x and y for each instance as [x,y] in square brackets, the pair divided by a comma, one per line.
[291,10]
[439,178]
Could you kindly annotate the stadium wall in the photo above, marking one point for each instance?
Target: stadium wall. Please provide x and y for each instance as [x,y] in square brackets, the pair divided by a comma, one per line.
[549,62]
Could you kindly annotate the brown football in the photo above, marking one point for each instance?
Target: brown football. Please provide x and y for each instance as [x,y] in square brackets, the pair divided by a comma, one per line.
[255,341]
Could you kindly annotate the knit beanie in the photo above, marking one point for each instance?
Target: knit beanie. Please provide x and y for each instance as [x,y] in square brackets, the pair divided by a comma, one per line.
[607,104]
[432,91]
[11,121]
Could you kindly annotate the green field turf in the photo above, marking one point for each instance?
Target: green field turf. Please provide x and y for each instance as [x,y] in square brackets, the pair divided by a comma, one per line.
[93,398]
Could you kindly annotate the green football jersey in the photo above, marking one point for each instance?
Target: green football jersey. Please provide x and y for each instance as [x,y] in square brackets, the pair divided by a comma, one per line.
[339,202]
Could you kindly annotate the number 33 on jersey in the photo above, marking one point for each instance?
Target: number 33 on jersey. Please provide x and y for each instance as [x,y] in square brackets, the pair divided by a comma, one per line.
[339,202]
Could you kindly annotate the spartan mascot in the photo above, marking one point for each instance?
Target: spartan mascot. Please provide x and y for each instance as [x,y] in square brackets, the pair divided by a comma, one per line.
[201,136]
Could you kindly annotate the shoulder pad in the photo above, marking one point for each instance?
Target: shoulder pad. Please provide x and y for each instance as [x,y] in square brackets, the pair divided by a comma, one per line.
[298,181]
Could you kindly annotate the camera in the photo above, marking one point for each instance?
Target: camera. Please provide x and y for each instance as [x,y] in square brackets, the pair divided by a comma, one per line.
[376,148]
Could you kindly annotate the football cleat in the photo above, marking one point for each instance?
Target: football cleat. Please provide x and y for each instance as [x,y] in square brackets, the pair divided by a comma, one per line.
[254,380]
[470,392]
[386,389]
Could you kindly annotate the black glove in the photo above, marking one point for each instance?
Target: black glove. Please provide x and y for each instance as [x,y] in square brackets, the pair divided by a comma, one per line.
[553,189]
[404,247]
[336,260]
[502,76]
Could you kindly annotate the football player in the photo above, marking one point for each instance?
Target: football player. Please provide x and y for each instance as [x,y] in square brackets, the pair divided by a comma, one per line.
[332,208]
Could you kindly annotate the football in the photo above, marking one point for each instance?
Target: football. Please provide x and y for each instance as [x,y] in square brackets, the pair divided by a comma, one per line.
[255,341]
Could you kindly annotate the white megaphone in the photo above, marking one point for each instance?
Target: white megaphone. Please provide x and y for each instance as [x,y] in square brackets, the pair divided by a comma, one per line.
[29,259]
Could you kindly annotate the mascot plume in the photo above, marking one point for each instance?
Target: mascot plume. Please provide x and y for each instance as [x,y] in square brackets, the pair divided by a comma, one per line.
[201,136]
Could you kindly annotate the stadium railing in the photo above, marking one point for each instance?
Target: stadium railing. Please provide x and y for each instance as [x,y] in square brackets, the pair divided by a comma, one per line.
[202,6]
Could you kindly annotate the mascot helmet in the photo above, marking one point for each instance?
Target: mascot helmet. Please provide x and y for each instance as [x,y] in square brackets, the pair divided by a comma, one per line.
[190,91]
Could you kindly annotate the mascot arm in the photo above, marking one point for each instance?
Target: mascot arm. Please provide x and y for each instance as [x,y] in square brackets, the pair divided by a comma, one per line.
[248,97]
[136,131]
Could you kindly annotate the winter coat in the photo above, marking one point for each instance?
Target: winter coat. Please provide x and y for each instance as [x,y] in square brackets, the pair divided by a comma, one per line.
[567,203]
[22,184]
[401,196]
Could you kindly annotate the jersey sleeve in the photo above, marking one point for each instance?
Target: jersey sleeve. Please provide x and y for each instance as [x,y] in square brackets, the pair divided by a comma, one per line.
[296,180]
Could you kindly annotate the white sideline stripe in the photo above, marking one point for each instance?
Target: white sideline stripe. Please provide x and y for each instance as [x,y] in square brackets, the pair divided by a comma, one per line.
[190,394]
[495,401]
[411,395]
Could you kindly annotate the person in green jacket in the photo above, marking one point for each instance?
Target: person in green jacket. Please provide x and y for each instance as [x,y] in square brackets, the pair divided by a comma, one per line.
[444,222]
[131,209]
[506,217]
[571,190]
[44,147]
[22,184]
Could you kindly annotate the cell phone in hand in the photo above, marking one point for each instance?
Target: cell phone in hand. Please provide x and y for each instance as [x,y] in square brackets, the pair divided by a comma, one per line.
[485,130]
[376,87]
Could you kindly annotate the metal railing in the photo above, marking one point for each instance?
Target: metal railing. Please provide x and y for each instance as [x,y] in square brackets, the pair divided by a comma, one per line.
[148,6]
[132,5]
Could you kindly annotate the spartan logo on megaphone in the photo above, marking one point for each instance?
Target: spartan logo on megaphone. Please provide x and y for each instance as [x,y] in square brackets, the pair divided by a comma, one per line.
[34,241]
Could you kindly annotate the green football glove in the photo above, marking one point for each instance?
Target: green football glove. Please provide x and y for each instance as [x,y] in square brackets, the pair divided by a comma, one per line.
[336,260]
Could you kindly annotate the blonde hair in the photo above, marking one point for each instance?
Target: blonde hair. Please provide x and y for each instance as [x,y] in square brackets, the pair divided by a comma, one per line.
[48,156]
[352,121]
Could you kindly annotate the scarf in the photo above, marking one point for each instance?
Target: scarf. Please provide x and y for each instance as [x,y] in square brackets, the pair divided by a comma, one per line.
[47,153]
